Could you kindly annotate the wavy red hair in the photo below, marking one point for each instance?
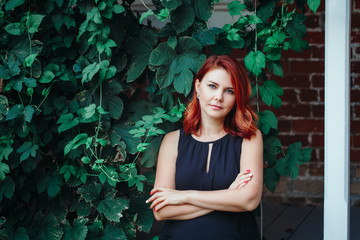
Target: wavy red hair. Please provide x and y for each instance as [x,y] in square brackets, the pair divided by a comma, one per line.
[240,121]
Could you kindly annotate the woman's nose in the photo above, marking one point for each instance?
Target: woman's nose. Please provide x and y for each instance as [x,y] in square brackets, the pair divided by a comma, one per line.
[219,96]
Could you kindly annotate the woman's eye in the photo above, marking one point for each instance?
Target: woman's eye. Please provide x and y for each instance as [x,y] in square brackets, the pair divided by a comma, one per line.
[212,86]
[230,91]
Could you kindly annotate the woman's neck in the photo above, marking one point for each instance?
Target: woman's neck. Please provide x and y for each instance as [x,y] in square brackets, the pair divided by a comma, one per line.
[211,130]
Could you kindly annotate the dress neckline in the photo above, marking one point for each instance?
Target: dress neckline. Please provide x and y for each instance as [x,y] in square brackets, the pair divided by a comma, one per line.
[207,142]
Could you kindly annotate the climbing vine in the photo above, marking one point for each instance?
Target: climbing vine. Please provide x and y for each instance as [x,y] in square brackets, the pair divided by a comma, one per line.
[89,88]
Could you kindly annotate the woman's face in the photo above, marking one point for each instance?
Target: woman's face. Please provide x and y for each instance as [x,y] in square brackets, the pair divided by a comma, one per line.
[216,93]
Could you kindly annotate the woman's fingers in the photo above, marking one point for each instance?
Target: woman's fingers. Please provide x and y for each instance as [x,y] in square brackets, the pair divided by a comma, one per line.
[241,180]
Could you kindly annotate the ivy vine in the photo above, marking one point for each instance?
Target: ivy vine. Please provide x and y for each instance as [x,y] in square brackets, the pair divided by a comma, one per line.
[89,88]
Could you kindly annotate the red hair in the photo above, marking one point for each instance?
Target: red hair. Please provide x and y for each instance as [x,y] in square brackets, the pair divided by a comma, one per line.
[240,121]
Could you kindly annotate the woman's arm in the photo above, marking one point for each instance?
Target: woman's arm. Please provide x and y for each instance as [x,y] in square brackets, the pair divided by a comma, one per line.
[165,178]
[245,198]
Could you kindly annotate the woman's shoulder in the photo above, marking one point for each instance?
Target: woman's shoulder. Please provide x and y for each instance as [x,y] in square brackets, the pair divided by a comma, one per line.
[172,137]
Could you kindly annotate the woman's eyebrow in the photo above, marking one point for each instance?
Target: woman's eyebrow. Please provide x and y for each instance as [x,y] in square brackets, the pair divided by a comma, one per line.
[215,83]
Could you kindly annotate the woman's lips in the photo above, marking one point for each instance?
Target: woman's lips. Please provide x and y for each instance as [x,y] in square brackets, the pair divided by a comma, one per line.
[216,107]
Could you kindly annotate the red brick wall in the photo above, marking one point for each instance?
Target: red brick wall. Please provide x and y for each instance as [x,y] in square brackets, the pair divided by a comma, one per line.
[301,117]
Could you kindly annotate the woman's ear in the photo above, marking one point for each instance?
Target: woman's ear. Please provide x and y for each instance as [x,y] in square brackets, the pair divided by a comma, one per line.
[197,85]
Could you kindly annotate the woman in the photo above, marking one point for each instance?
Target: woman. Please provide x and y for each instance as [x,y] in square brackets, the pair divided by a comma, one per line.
[210,173]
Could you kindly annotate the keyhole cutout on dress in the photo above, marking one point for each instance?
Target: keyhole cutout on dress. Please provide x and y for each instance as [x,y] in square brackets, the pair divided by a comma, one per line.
[209,157]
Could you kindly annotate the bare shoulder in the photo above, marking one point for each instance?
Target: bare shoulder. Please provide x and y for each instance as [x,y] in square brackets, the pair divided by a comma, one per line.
[169,144]
[171,138]
[254,140]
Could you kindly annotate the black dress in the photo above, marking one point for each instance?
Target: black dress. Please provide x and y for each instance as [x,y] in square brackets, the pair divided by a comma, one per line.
[191,174]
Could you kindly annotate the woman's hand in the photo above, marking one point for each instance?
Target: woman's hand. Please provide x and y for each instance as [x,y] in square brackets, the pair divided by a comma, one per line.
[241,180]
[162,197]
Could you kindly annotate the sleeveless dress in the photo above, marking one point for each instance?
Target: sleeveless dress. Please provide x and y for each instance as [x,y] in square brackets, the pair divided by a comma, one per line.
[191,174]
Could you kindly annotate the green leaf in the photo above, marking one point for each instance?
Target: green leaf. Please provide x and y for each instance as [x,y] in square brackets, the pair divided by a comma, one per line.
[313,4]
[67,122]
[121,131]
[171,4]
[112,208]
[276,68]
[28,113]
[11,4]
[89,72]
[255,62]
[118,8]
[5,147]
[29,60]
[162,55]
[90,192]
[8,188]
[266,11]
[15,111]
[270,92]
[145,15]
[54,186]
[236,7]
[182,17]
[271,177]
[4,168]
[33,22]
[78,231]
[14,29]
[267,120]
[78,140]
[21,234]
[29,82]
[145,215]
[204,37]
[47,77]
[89,111]
[27,149]
[48,227]
[114,233]
[203,9]
[183,82]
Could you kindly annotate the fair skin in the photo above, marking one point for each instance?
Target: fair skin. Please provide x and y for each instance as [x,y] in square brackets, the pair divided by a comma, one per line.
[217,98]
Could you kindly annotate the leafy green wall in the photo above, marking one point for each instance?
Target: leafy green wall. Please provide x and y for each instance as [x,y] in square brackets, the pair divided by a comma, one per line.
[87,93]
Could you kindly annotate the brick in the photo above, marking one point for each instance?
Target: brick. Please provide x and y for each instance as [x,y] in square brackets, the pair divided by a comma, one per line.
[306,53]
[317,140]
[322,95]
[356,111]
[355,141]
[356,4]
[355,127]
[317,51]
[312,21]
[316,169]
[293,80]
[308,95]
[318,80]
[355,80]
[355,66]
[357,172]
[318,111]
[309,186]
[355,155]
[307,66]
[320,155]
[355,188]
[355,36]
[284,125]
[308,125]
[355,20]
[303,169]
[286,140]
[355,95]
[289,96]
[293,110]
[316,37]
